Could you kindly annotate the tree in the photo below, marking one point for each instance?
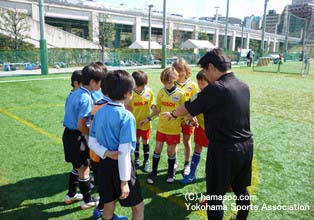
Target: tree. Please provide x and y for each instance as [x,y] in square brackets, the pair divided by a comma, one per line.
[13,23]
[203,36]
[106,34]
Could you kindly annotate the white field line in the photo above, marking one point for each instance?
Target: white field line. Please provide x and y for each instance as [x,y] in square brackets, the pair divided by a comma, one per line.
[34,79]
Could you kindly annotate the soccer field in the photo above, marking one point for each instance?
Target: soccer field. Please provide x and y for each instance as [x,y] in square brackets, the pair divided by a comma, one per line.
[34,175]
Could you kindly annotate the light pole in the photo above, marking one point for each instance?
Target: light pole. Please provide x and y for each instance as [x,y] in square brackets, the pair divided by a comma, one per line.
[287,29]
[226,27]
[42,41]
[242,23]
[163,63]
[150,32]
[216,17]
[264,27]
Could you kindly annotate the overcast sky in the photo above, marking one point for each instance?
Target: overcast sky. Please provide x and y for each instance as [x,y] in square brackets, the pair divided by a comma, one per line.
[200,8]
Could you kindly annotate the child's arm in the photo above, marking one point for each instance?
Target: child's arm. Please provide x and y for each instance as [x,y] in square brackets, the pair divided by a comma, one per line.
[124,164]
[101,150]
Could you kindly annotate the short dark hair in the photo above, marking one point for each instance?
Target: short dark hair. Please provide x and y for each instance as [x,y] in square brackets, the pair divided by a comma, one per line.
[76,76]
[92,71]
[140,78]
[103,66]
[218,58]
[117,84]
[201,76]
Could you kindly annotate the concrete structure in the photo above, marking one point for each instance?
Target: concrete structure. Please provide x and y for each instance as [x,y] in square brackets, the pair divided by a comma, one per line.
[301,2]
[133,21]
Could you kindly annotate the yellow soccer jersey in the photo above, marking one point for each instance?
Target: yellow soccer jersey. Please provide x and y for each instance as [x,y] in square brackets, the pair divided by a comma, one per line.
[200,120]
[141,104]
[167,102]
[189,87]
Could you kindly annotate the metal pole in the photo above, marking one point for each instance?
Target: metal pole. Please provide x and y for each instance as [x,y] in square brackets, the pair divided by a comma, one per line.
[287,30]
[42,41]
[163,63]
[241,38]
[226,28]
[149,31]
[263,30]
[304,35]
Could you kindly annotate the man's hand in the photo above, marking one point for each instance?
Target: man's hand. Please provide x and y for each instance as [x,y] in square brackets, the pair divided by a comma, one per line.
[143,122]
[112,154]
[167,115]
[125,190]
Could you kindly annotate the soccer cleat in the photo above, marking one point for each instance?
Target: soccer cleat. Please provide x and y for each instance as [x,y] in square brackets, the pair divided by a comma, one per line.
[186,170]
[97,213]
[90,204]
[77,197]
[137,164]
[145,167]
[170,178]
[118,217]
[151,178]
[188,179]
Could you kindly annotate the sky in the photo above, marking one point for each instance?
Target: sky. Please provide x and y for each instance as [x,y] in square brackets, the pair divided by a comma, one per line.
[202,8]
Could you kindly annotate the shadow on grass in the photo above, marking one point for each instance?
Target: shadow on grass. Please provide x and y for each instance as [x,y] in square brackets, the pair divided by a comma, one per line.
[16,198]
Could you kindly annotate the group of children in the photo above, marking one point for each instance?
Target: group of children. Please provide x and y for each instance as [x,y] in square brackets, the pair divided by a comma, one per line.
[107,116]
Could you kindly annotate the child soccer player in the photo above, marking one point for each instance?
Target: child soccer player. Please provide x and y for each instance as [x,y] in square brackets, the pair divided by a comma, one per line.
[114,129]
[190,88]
[200,138]
[168,99]
[76,82]
[140,105]
[77,109]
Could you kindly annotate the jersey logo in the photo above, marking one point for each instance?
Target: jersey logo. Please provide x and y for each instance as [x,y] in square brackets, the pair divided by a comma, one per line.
[175,98]
[168,104]
[193,98]
[189,88]
[147,96]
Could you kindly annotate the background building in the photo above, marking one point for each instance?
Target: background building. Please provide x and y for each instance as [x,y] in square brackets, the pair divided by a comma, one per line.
[252,22]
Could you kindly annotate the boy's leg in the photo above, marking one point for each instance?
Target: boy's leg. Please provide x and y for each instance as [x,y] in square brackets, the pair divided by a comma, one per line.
[85,187]
[171,151]
[195,159]
[146,154]
[138,211]
[187,153]
[108,210]
[73,182]
[156,158]
[137,153]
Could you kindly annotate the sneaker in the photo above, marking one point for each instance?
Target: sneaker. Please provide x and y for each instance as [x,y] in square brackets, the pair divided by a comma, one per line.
[119,217]
[77,197]
[151,178]
[146,167]
[170,178]
[188,179]
[187,170]
[97,213]
[137,164]
[90,204]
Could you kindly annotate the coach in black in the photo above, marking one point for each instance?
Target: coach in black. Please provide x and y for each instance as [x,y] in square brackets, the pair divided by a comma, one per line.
[225,103]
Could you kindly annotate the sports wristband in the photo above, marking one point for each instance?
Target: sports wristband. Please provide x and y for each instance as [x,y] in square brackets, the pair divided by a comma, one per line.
[172,115]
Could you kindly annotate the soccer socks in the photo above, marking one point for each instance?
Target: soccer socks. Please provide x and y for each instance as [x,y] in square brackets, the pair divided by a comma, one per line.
[195,160]
[137,151]
[85,189]
[156,158]
[242,193]
[73,183]
[146,152]
[171,162]
[186,163]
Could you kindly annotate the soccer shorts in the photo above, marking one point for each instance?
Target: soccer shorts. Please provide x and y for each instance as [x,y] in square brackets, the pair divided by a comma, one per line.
[75,148]
[228,164]
[187,129]
[109,184]
[144,134]
[170,139]
[200,137]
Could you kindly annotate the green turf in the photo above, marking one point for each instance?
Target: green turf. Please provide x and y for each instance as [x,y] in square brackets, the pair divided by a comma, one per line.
[33,174]
[293,67]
